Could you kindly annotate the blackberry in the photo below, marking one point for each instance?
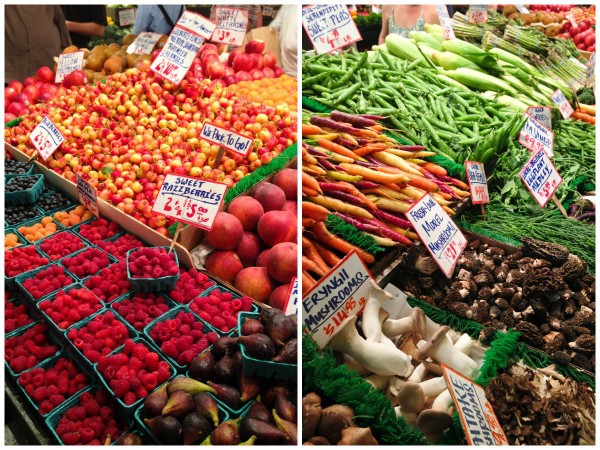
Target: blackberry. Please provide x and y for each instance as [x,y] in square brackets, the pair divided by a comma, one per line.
[18,184]
[13,167]
[18,214]
[54,201]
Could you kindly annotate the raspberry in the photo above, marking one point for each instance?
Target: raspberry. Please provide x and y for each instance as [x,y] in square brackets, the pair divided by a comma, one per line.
[76,413]
[152,361]
[92,408]
[211,309]
[130,398]
[86,435]
[40,394]
[120,387]
[205,316]
[170,349]
[70,439]
[178,296]
[219,323]
[56,399]
[149,380]
[246,303]
[19,364]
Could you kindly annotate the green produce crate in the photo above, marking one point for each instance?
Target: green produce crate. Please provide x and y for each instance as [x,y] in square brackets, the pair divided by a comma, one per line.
[114,238]
[69,209]
[86,279]
[111,261]
[9,176]
[77,229]
[38,211]
[32,222]
[10,283]
[86,244]
[170,303]
[21,279]
[20,239]
[152,284]
[27,197]
[71,202]
[19,301]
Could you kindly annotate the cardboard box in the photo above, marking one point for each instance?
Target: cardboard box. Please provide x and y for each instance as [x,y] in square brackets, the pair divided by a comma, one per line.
[271,39]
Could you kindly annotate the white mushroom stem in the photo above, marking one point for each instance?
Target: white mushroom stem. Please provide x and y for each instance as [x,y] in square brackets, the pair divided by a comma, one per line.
[383,315]
[379,382]
[464,344]
[443,402]
[393,388]
[379,358]
[352,364]
[397,327]
[410,418]
[418,374]
[433,387]
[371,325]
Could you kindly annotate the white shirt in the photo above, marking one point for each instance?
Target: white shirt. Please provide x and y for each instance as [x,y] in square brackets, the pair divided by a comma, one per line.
[286,23]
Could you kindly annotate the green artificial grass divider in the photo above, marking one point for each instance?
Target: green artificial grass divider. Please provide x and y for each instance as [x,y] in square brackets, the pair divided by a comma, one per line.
[352,234]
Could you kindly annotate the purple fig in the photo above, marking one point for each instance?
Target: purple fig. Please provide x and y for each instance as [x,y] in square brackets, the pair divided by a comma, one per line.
[266,433]
[250,387]
[259,411]
[202,366]
[237,361]
[195,428]
[224,370]
[259,346]
[155,402]
[288,353]
[279,328]
[207,406]
[227,394]
[180,404]
[285,409]
[166,429]
[276,387]
[267,313]
[225,345]
[227,433]
[252,326]
[289,428]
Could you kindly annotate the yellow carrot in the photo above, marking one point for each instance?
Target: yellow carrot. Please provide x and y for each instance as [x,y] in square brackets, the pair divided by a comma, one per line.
[333,204]
[395,161]
[373,175]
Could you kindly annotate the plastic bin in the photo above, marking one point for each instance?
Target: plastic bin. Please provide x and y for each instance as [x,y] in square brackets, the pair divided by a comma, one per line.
[58,235]
[111,260]
[10,283]
[27,197]
[152,284]
[20,239]
[114,238]
[170,303]
[20,279]
[19,301]
[69,202]
[32,222]
[8,176]
[68,209]
[38,213]
[77,229]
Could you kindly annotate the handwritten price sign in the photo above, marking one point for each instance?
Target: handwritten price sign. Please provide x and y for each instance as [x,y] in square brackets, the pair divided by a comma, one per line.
[476,413]
[176,57]
[230,140]
[46,138]
[291,306]
[445,21]
[536,136]
[68,63]
[144,43]
[477,182]
[87,195]
[565,108]
[127,17]
[197,24]
[231,28]
[342,293]
[190,200]
[478,14]
[541,177]
[438,232]
[329,27]
[543,114]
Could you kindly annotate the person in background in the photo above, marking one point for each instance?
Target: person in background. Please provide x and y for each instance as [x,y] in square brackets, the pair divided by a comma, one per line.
[33,36]
[402,19]
[84,21]
[285,24]
[157,18]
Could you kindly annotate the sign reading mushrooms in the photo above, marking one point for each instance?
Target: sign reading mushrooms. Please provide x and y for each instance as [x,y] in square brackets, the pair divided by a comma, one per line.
[339,295]
[476,413]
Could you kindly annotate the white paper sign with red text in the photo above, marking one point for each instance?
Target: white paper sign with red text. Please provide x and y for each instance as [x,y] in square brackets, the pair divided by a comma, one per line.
[87,195]
[190,200]
[476,413]
[197,24]
[536,136]
[144,43]
[127,17]
[228,139]
[46,138]
[291,306]
[563,104]
[478,14]
[477,182]
[541,177]
[232,25]
[329,27]
[438,232]
[445,21]
[342,293]
[543,114]
[176,57]
[67,63]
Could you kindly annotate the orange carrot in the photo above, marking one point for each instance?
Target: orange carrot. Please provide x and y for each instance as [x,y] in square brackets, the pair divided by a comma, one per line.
[309,192]
[308,129]
[337,148]
[309,266]
[310,182]
[435,169]
[307,282]
[324,236]
[369,148]
[309,251]
[313,169]
[584,116]
[373,175]
[308,158]
[330,257]
[313,211]
[307,223]
[423,183]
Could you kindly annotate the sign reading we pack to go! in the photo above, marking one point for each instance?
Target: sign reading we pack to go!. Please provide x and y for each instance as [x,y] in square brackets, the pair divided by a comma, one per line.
[536,136]
[541,177]
[46,138]
[231,26]
[67,63]
[329,27]
[477,183]
[230,140]
[342,293]
[190,200]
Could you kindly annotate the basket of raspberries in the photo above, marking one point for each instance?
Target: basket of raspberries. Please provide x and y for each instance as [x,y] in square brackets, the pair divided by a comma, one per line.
[151,269]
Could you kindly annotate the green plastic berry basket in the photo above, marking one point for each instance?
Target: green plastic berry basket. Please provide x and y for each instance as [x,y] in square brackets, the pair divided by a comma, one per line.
[111,261]
[9,176]
[68,209]
[70,202]
[49,363]
[20,239]
[28,196]
[152,284]
[32,222]
[23,277]
[132,334]
[77,229]
[114,238]
[59,234]
[87,279]
[170,304]
[15,225]
[53,419]
[31,312]
[263,368]
[10,283]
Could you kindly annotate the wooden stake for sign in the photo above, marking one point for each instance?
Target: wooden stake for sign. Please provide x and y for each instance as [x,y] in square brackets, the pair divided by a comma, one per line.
[219,157]
[175,236]
[559,206]
[35,153]
[483,212]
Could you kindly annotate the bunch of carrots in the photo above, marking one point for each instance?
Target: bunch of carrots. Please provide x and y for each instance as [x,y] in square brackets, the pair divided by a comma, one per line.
[586,113]
[351,169]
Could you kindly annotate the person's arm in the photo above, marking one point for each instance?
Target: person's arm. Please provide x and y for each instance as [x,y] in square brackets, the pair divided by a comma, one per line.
[259,18]
[86,28]
[385,14]
[276,22]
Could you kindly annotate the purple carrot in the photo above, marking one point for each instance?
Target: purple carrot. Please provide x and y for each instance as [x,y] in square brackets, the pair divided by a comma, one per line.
[366,184]
[352,119]
[445,189]
[362,141]
[313,151]
[329,187]
[371,116]
[386,231]
[345,142]
[353,221]
[392,218]
[411,148]
[374,161]
[329,123]
[448,179]
[365,164]
[328,166]
[348,198]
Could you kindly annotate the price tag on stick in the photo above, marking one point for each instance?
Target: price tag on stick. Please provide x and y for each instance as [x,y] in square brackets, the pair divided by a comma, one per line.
[291,305]
[176,57]
[67,63]
[563,104]
[438,232]
[536,136]
[329,27]
[87,195]
[477,184]
[232,26]
[478,14]
[46,138]
[445,21]
[144,43]
[543,114]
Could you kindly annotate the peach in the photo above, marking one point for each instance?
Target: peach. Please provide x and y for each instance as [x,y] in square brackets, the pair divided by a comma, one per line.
[226,233]
[282,263]
[248,210]
[287,180]
[255,282]
[262,259]
[279,296]
[271,197]
[225,264]
[249,249]
[292,206]
[278,226]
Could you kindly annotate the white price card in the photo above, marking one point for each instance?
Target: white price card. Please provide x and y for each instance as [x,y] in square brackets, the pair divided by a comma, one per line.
[190,200]
[144,43]
[342,293]
[543,114]
[231,26]
[291,305]
[46,138]
[87,195]
[536,136]
[590,75]
[127,17]
[267,11]
[329,27]
[541,177]
[176,57]
[197,24]
[228,139]
[438,232]
[445,21]
[563,104]
[478,14]
[522,9]
[477,182]
[67,63]
[476,413]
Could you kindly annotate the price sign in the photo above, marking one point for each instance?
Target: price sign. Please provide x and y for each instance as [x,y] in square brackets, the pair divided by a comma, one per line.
[127,17]
[571,19]
[477,182]
[68,63]
[445,21]
[522,9]
[438,232]
[267,11]
[329,27]
[190,200]
[291,306]
[543,114]
[476,413]
[144,43]
[565,108]
[231,28]
[541,177]
[87,195]
[536,136]
[228,139]
[342,293]
[176,57]
[197,24]
[46,138]
[590,71]
[478,14]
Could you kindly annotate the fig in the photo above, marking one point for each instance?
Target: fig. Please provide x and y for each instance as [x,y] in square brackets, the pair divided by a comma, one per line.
[227,394]
[289,428]
[166,429]
[225,345]
[279,328]
[130,439]
[259,346]
[227,433]
[285,409]
[237,361]
[188,385]
[266,433]
[288,353]
[250,387]
[180,403]
[207,406]
[195,428]
[266,314]
[259,411]
[155,402]
[225,371]
[202,366]
[276,387]
[252,326]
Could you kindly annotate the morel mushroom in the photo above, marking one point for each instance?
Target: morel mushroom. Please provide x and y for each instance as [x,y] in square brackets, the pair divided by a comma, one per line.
[555,253]
[573,267]
[530,334]
[585,344]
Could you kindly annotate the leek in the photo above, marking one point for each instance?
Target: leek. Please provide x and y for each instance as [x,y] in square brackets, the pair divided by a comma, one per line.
[421,36]
[474,54]
[480,81]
